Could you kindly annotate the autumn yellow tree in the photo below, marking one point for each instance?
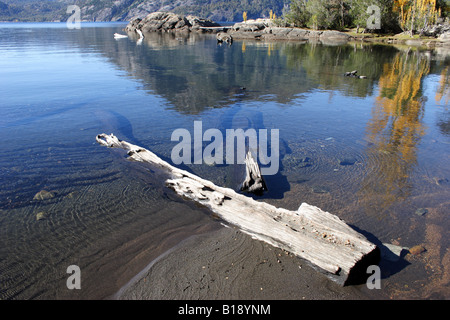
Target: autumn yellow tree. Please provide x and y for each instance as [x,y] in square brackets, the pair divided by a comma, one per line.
[272,15]
[244,16]
[416,15]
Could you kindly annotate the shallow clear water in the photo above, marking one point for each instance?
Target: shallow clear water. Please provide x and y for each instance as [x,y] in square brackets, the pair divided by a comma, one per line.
[59,88]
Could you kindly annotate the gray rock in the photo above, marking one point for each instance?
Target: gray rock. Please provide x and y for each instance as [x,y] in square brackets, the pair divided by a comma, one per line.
[168,21]
[224,37]
[436,30]
[335,35]
[196,22]
[249,26]
[298,34]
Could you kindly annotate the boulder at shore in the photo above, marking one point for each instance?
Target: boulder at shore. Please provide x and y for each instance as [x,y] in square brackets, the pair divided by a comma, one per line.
[265,29]
[169,22]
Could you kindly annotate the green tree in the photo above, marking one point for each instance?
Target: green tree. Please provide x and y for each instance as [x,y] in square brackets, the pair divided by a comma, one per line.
[324,14]
[358,13]
[298,14]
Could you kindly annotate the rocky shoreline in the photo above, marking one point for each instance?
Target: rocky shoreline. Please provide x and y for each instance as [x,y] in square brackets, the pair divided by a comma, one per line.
[169,22]
[265,29]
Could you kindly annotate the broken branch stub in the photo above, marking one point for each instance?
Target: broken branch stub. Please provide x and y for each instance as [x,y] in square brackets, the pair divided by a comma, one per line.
[254,181]
[319,237]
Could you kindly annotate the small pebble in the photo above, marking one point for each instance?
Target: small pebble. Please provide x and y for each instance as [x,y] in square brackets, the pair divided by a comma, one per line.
[41,215]
[416,250]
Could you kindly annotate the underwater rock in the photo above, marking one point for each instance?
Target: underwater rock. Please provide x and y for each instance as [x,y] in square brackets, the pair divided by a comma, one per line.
[294,162]
[416,250]
[441,181]
[304,162]
[43,195]
[320,189]
[72,195]
[421,211]
[347,161]
[41,215]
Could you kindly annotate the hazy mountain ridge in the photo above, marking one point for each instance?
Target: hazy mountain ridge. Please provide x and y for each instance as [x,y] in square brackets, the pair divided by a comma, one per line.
[126,10]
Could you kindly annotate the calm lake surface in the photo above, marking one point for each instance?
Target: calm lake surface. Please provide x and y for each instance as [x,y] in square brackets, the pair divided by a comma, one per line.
[59,88]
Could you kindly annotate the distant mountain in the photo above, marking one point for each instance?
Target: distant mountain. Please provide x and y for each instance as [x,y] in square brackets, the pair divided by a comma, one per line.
[31,10]
[126,10]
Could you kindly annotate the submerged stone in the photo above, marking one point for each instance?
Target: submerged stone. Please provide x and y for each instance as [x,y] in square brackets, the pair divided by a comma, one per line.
[41,215]
[347,161]
[320,189]
[304,162]
[295,162]
[43,195]
[416,250]
[72,195]
[441,181]
[421,211]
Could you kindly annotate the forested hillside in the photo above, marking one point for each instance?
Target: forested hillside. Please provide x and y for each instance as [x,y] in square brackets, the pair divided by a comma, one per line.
[125,10]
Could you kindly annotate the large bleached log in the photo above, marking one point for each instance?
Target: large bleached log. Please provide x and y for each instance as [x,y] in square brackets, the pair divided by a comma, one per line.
[319,237]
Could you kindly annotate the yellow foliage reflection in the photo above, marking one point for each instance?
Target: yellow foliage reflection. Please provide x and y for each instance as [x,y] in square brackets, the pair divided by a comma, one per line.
[444,86]
[395,129]
[270,48]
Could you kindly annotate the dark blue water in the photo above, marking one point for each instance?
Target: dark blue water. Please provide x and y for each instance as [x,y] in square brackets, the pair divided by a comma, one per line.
[59,88]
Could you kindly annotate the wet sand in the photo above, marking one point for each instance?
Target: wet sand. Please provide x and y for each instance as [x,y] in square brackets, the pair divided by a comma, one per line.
[228,264]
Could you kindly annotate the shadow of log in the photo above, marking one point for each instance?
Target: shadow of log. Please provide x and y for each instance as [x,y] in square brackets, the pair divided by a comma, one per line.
[387,267]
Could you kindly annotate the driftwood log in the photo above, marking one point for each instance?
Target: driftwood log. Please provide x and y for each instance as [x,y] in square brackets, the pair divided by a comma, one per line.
[319,237]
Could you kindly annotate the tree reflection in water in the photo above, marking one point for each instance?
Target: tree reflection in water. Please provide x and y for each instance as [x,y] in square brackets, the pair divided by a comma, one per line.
[395,130]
